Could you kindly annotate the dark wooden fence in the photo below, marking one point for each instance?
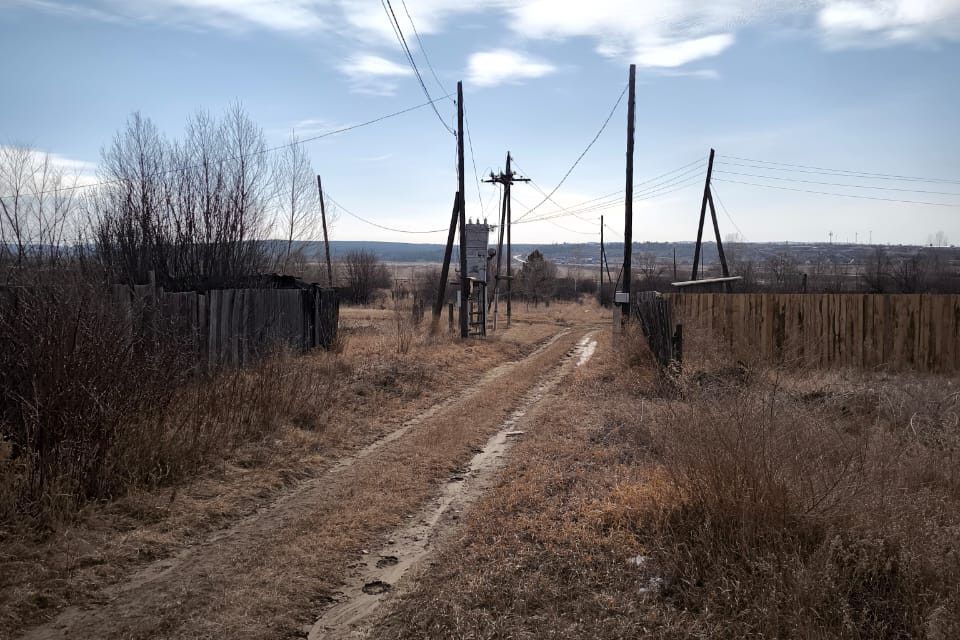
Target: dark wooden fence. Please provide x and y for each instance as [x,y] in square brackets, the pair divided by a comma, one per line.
[919,332]
[655,316]
[232,327]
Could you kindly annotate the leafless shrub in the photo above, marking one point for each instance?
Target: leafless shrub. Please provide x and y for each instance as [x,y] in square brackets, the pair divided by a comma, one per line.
[37,212]
[90,406]
[194,212]
[362,275]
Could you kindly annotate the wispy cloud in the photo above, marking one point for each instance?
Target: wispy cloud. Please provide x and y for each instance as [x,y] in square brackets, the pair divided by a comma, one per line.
[293,16]
[501,66]
[652,34]
[884,22]
[81,171]
[373,74]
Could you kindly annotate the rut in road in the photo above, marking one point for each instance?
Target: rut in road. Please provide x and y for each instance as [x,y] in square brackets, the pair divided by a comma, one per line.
[274,570]
[375,580]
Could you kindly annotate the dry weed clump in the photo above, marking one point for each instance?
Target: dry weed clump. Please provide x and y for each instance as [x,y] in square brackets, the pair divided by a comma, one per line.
[809,512]
[91,407]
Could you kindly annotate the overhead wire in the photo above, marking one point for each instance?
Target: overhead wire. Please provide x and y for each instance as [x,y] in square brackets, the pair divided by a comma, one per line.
[716,195]
[611,199]
[473,161]
[579,158]
[395,24]
[252,154]
[843,195]
[422,49]
[865,174]
[661,189]
[835,184]
[340,207]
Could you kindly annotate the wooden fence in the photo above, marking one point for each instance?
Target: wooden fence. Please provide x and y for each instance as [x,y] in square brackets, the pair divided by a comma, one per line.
[918,332]
[232,327]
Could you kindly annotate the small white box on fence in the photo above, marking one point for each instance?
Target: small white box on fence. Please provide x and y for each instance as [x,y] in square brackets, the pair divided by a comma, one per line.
[621,296]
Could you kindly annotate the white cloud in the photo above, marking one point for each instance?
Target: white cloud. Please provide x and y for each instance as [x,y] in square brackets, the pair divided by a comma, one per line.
[490,68]
[80,172]
[233,15]
[679,53]
[373,74]
[370,65]
[665,34]
[881,22]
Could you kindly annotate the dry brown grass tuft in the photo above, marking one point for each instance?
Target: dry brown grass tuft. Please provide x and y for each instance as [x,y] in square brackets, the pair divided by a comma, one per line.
[742,503]
[803,509]
[375,391]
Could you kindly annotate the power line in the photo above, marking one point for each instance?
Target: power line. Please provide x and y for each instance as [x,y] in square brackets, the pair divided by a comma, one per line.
[864,174]
[614,194]
[473,161]
[544,193]
[376,224]
[422,49]
[403,43]
[843,195]
[648,194]
[579,158]
[252,154]
[713,191]
[657,193]
[837,184]
[583,233]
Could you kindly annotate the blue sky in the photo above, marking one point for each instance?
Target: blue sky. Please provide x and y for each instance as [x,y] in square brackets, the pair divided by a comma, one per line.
[855,85]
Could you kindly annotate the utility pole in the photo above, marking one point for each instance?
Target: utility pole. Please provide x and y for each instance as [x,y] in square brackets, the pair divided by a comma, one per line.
[464,282]
[445,269]
[600,290]
[708,200]
[628,204]
[326,239]
[703,212]
[506,178]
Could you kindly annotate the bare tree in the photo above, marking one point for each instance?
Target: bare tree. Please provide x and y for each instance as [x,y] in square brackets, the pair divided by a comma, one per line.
[876,272]
[37,208]
[195,212]
[298,204]
[537,278]
[363,273]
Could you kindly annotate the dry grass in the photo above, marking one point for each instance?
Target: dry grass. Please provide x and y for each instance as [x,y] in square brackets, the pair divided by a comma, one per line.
[730,503]
[810,506]
[375,391]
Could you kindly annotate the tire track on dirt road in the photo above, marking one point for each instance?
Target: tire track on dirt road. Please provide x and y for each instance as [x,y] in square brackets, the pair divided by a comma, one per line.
[248,581]
[371,584]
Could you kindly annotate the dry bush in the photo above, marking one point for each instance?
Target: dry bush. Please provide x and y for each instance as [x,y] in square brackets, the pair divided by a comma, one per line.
[89,407]
[808,514]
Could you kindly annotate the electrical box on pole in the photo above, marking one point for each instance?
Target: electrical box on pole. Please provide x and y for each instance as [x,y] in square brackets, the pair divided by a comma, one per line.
[477,239]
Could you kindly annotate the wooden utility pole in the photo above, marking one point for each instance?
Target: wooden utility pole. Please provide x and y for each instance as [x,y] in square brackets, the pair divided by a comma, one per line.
[506,178]
[600,291]
[326,239]
[628,204]
[716,233]
[445,269]
[708,200]
[509,245]
[703,213]
[464,281]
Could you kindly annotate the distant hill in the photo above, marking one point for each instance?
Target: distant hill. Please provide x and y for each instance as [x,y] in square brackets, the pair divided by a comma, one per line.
[588,253]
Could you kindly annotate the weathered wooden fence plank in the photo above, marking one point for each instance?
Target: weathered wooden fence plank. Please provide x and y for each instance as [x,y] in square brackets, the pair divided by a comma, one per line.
[909,331]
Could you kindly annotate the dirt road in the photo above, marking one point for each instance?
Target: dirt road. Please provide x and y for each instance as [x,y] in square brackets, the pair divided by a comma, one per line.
[302,566]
